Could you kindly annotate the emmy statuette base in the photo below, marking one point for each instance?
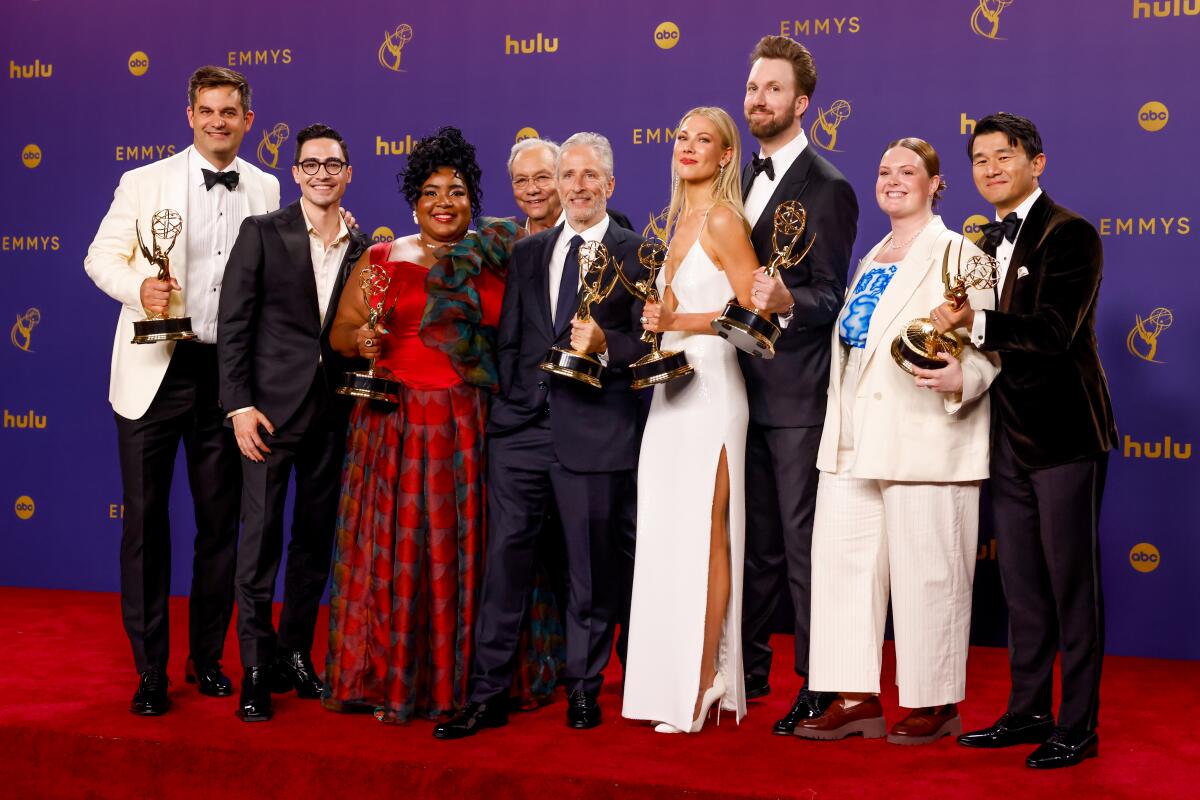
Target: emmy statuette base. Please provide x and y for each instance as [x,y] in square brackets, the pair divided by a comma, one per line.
[747,330]
[170,329]
[919,338]
[577,366]
[661,366]
[370,387]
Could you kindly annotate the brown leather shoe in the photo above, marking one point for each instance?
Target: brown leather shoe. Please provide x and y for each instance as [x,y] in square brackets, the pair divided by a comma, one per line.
[838,722]
[926,725]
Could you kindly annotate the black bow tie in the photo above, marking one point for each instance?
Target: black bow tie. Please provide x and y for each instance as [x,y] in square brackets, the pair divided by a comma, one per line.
[763,165]
[211,179]
[995,232]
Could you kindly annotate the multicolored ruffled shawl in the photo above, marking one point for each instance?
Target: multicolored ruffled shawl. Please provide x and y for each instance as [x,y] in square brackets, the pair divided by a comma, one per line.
[453,318]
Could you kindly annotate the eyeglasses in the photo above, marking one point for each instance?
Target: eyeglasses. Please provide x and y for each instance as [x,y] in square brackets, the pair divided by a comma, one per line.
[311,166]
[540,181]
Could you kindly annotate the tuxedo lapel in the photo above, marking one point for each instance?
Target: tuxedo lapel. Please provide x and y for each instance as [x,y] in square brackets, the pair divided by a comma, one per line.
[256,196]
[541,283]
[747,180]
[1029,237]
[173,194]
[293,231]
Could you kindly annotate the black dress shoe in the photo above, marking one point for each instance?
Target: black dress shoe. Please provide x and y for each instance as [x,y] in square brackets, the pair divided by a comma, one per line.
[808,705]
[1065,748]
[474,718]
[294,670]
[209,679]
[756,687]
[255,702]
[150,699]
[1011,729]
[583,711]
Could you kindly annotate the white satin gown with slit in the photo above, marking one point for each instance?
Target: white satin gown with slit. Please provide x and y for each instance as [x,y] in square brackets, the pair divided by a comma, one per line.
[691,419]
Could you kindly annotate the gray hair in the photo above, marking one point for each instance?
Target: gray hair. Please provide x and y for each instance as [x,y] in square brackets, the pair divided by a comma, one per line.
[597,142]
[529,144]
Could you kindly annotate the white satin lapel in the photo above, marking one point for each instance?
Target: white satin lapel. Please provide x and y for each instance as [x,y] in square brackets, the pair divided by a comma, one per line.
[256,189]
[900,290]
[173,194]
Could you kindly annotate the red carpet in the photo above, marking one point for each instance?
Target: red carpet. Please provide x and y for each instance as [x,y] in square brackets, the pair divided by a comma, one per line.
[65,732]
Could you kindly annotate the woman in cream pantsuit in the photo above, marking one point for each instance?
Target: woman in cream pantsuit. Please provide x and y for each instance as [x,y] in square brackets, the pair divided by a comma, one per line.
[901,460]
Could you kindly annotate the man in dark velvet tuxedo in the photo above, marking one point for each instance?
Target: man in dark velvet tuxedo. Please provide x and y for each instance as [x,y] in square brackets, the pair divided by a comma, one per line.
[555,439]
[1053,428]
[787,393]
[285,275]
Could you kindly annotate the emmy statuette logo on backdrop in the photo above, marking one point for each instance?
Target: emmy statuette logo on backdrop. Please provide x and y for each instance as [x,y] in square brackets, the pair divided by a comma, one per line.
[268,148]
[22,329]
[1142,341]
[824,129]
[139,63]
[393,45]
[985,20]
[666,35]
[1153,116]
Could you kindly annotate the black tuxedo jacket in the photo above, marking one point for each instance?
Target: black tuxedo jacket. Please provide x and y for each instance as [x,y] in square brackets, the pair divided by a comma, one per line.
[789,390]
[270,338]
[1051,396]
[594,430]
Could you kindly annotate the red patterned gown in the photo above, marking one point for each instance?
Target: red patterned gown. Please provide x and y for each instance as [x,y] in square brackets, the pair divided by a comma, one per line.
[407,562]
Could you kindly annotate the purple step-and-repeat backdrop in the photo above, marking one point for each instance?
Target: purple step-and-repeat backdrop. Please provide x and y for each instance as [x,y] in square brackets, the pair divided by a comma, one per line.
[91,90]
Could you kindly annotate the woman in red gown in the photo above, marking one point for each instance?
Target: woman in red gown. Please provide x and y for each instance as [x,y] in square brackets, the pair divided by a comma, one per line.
[409,542]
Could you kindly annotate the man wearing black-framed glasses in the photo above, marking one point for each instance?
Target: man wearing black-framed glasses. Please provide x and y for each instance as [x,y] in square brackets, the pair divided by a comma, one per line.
[278,374]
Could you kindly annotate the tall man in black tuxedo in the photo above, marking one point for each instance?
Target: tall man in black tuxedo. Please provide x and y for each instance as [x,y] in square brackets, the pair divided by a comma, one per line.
[787,393]
[1053,428]
[554,439]
[278,374]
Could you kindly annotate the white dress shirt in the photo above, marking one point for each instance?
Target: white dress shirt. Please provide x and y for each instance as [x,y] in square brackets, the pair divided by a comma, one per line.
[326,261]
[1003,256]
[212,221]
[763,187]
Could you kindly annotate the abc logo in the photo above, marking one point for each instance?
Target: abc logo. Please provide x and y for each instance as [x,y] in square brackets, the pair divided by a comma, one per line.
[666,35]
[31,156]
[382,234]
[139,62]
[973,227]
[1153,116]
[24,507]
[527,133]
[1144,557]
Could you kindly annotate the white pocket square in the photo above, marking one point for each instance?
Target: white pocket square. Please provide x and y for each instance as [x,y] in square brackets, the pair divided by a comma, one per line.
[1022,272]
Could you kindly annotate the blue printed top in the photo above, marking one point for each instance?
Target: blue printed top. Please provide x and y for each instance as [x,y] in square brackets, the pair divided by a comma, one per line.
[855,319]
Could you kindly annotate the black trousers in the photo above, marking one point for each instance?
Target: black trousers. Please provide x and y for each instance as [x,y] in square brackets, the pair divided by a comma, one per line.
[781,497]
[524,476]
[1047,546]
[186,409]
[311,444]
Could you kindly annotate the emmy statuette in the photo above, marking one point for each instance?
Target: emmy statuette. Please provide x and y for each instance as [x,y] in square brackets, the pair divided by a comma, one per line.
[920,343]
[165,227]
[585,367]
[374,282]
[658,366]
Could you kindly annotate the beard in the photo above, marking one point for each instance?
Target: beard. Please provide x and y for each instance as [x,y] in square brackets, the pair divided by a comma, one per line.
[769,129]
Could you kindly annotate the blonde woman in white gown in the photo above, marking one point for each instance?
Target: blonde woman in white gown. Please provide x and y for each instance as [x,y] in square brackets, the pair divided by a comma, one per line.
[685,651]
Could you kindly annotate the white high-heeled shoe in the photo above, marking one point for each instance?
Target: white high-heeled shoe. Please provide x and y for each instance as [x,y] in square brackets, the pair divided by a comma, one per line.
[711,695]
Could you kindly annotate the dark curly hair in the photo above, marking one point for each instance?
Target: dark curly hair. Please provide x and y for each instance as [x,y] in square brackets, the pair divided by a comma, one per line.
[446,148]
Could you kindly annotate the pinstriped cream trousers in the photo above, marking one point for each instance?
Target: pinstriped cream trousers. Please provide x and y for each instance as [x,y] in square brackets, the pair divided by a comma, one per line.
[916,540]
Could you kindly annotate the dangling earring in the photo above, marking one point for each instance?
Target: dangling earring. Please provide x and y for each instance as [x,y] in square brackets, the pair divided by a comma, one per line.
[721,174]
[674,183]
[414,216]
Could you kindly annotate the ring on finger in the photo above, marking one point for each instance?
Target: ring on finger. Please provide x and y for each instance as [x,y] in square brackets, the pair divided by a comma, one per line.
[643,320]
[369,342]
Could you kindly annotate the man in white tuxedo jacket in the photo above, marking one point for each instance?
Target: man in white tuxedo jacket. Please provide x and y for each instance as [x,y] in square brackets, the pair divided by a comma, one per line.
[166,392]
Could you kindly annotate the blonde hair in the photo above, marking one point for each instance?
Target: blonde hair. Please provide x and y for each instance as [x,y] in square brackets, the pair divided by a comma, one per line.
[726,185]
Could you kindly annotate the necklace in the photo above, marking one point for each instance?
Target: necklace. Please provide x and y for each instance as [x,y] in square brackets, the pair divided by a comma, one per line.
[431,246]
[905,244]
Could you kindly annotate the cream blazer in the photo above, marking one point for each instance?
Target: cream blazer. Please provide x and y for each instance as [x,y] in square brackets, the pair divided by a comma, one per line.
[902,432]
[116,264]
